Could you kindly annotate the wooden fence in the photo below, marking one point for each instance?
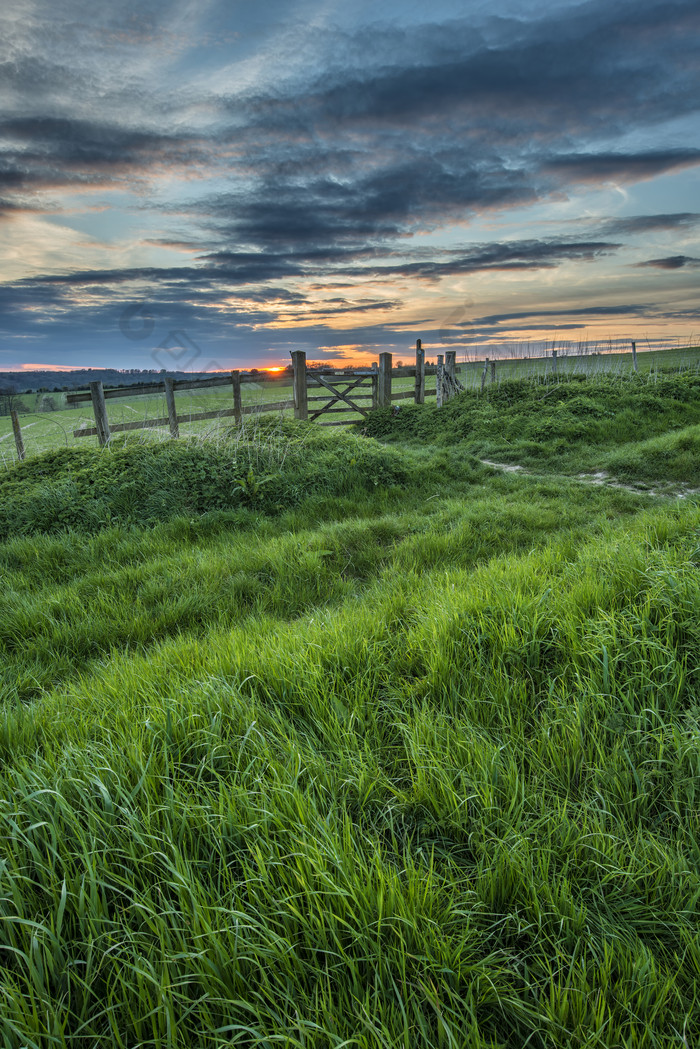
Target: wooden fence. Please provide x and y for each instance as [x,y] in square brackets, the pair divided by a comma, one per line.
[314,394]
[331,394]
[99,397]
[367,385]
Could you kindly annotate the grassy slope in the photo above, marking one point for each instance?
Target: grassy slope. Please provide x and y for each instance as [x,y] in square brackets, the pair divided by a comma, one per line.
[578,423]
[329,763]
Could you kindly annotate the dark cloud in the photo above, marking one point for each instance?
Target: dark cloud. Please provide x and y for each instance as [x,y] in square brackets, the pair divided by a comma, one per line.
[193,300]
[322,310]
[672,262]
[455,122]
[518,255]
[395,130]
[601,65]
[233,269]
[88,142]
[621,167]
[48,152]
[633,224]
[11,207]
[323,222]
[223,273]
[635,310]
[437,122]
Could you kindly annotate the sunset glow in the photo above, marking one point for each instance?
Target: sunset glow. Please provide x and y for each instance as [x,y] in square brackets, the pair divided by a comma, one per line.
[47,367]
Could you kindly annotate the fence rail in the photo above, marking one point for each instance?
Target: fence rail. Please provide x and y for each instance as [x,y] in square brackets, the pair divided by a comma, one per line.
[84,396]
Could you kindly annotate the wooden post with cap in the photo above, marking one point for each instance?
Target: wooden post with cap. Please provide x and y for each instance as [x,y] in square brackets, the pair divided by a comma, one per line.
[237,404]
[384,394]
[169,385]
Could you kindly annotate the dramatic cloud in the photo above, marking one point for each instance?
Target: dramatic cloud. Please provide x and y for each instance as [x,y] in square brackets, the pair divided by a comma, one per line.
[672,262]
[621,167]
[636,309]
[520,255]
[640,224]
[50,151]
[231,166]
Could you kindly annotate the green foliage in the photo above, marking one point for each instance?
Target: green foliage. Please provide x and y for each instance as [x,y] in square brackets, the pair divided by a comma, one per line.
[274,469]
[462,808]
[568,424]
[307,741]
[672,457]
[70,599]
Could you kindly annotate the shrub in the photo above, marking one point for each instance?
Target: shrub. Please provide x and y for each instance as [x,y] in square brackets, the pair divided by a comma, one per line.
[271,469]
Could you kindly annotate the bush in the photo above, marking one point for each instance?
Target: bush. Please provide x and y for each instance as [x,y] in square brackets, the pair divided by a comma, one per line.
[271,470]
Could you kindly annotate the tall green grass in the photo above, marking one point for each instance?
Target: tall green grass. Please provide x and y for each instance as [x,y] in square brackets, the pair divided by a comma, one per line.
[72,598]
[461,810]
[270,469]
[322,763]
[577,422]
[671,457]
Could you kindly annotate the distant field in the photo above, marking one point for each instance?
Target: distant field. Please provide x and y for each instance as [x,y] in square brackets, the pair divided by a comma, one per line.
[589,364]
[44,430]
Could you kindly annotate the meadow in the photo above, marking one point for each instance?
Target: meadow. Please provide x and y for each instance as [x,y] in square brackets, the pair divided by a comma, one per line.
[317,738]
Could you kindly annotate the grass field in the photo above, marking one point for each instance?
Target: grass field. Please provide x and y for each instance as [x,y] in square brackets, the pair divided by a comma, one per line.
[45,430]
[314,739]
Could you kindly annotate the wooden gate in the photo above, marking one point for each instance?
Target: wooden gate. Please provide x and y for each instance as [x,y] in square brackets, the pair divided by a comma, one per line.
[348,391]
[339,387]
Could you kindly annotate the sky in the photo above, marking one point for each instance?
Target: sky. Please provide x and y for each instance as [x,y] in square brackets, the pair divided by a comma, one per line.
[212,184]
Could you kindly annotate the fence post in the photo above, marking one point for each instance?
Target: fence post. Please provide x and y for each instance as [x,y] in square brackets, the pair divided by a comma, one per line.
[440,378]
[301,403]
[375,385]
[484,373]
[451,372]
[420,373]
[384,383]
[170,402]
[100,409]
[634,356]
[237,404]
[493,371]
[18,433]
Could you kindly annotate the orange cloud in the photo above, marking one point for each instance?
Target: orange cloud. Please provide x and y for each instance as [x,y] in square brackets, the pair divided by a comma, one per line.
[52,368]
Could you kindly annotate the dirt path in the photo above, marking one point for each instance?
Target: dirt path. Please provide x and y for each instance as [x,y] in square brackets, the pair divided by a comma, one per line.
[600,478]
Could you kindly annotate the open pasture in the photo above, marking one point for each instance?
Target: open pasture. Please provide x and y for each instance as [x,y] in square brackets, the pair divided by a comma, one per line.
[315,740]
